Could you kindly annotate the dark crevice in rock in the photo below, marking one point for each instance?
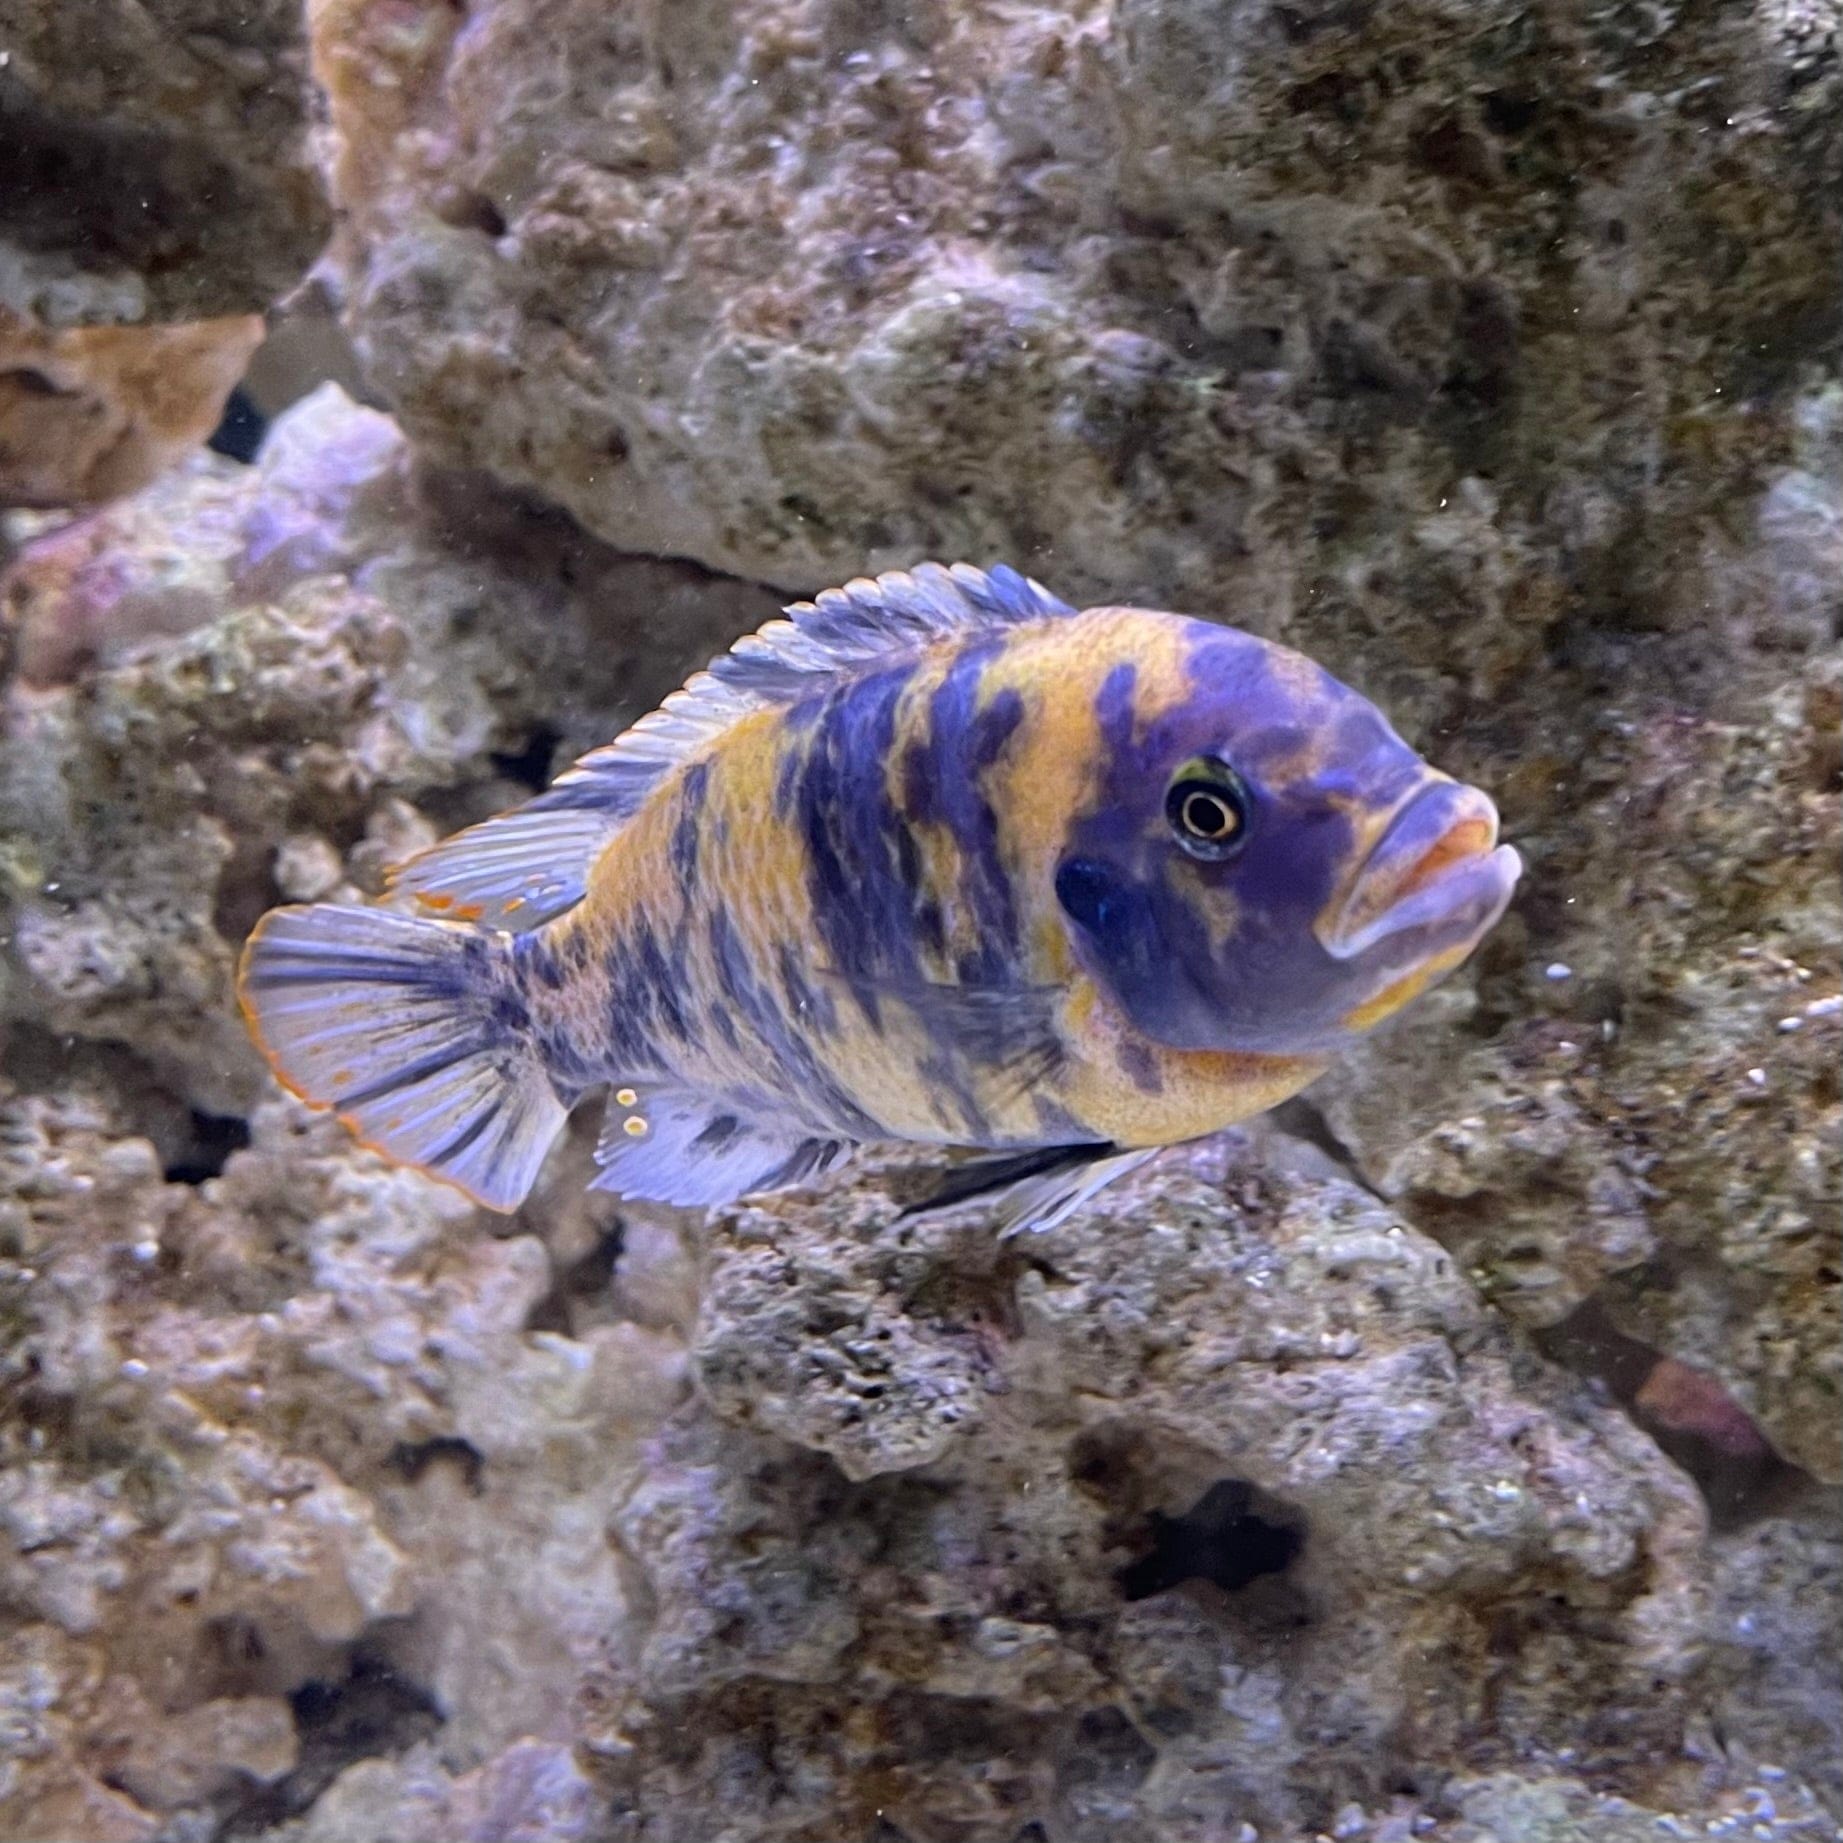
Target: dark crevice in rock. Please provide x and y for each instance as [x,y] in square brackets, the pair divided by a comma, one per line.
[1221,1539]
[411,1459]
[214,1138]
[372,1711]
[191,1145]
[1301,1118]
[240,429]
[531,765]
[583,1279]
[132,191]
[1693,1419]
[1110,1756]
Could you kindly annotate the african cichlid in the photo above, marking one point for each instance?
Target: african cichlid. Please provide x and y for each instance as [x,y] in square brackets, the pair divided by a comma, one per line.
[937,858]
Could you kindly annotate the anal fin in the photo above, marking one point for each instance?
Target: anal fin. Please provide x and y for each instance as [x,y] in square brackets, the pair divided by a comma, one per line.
[676,1146]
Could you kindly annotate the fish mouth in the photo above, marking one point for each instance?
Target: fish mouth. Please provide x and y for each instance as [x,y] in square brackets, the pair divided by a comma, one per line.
[1436,881]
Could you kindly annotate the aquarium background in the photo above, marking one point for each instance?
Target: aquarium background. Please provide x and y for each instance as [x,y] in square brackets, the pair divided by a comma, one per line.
[1455,1454]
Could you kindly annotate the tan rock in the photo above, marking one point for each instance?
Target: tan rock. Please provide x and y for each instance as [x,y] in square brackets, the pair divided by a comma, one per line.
[55,1807]
[303,645]
[167,1762]
[1160,298]
[91,413]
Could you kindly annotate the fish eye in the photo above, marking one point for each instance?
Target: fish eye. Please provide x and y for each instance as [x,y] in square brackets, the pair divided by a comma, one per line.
[1206,807]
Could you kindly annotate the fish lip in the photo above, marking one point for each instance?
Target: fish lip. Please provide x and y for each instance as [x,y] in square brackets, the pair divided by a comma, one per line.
[1437,876]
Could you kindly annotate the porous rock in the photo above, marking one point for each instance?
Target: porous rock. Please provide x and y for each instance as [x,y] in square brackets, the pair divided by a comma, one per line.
[155,162]
[242,665]
[275,1442]
[1487,354]
[1226,1503]
[1175,297]
[1646,1123]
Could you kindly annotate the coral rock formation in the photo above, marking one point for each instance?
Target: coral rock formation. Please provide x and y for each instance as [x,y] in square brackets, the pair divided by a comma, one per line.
[1453,1458]
[271,660]
[1171,297]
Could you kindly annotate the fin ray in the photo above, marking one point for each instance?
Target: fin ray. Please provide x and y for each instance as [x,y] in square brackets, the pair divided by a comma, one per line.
[1035,1190]
[515,871]
[699,1151]
[386,1020]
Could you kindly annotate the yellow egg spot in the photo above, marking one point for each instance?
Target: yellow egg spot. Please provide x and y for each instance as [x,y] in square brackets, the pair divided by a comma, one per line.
[634,1127]
[625,1096]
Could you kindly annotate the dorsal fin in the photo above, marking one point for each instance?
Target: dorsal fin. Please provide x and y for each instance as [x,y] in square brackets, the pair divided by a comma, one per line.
[525,866]
[869,619]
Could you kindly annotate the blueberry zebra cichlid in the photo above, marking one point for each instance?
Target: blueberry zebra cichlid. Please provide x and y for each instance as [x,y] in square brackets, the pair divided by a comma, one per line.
[936,858]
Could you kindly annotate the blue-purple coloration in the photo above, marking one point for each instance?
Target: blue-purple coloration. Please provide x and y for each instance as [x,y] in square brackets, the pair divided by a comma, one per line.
[1146,912]
[786,1047]
[880,923]
[861,900]
[943,783]
[923,861]
[687,833]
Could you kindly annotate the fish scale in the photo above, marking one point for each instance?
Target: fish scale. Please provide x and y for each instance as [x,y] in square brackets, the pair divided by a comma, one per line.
[920,861]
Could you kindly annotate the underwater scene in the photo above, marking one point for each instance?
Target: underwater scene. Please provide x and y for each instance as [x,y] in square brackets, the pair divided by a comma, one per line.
[921,921]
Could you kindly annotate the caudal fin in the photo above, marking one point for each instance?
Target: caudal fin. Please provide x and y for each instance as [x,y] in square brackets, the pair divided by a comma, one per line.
[410,1032]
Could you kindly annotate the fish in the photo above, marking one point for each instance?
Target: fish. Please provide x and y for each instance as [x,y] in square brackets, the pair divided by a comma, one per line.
[935,857]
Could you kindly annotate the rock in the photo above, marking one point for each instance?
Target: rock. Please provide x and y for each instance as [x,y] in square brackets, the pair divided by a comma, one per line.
[1658,1135]
[1169,298]
[1489,358]
[193,1757]
[1234,1491]
[76,1805]
[242,660]
[1775,1634]
[532,1793]
[91,413]
[278,1415]
[157,161]
[278,1435]
[1507,1809]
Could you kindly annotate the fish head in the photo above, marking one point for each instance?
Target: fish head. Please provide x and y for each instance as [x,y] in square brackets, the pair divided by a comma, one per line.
[1263,865]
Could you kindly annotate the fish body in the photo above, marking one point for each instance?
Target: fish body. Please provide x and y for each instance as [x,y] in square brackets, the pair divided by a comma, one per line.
[938,858]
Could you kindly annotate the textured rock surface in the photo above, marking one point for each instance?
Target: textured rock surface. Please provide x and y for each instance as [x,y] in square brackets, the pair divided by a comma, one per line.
[1489,354]
[272,1435]
[1244,1509]
[154,159]
[1168,296]
[1270,1514]
[94,412]
[273,1441]
[272,662]
[1303,1490]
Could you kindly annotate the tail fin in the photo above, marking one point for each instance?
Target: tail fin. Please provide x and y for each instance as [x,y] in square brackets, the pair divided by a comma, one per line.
[410,1032]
